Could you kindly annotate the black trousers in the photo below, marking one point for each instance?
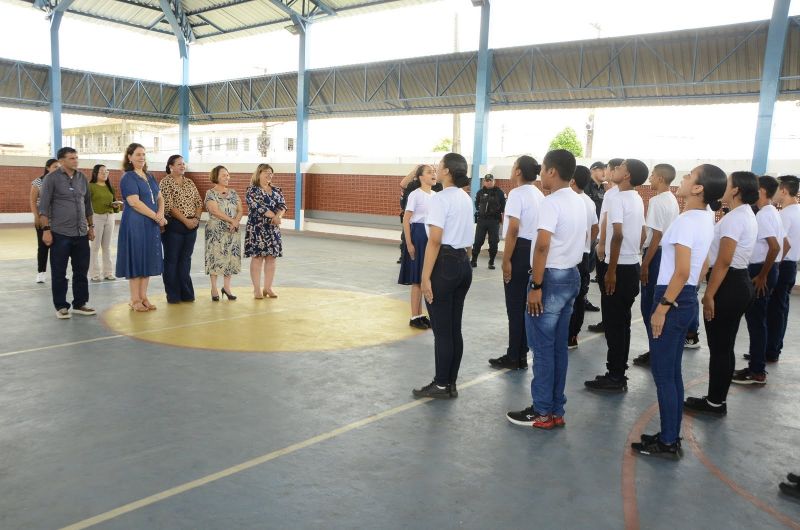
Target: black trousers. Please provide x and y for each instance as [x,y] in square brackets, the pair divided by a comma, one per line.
[579,306]
[178,244]
[730,303]
[601,267]
[617,318]
[490,227]
[517,298]
[450,280]
[42,252]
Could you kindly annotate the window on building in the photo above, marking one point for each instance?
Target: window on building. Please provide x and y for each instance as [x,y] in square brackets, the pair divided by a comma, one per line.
[217,144]
[288,144]
[232,144]
[246,144]
[156,142]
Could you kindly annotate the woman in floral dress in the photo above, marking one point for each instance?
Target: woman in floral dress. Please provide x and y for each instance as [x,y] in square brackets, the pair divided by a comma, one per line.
[223,244]
[262,240]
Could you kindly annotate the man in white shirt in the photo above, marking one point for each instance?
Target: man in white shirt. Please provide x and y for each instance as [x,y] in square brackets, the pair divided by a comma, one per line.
[662,209]
[558,249]
[778,309]
[624,236]
[579,182]
[764,273]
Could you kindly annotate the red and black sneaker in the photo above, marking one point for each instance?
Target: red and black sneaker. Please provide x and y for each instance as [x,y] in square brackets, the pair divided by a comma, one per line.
[543,421]
[558,421]
[747,377]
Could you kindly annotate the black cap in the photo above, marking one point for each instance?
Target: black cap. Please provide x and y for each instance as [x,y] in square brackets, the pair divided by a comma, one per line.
[597,165]
[488,176]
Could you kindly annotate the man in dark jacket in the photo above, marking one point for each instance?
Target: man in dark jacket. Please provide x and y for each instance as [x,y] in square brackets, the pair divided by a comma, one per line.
[490,202]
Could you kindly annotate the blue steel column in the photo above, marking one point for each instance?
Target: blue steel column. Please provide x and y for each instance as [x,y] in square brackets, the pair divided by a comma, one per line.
[301,143]
[770,83]
[55,76]
[183,103]
[481,100]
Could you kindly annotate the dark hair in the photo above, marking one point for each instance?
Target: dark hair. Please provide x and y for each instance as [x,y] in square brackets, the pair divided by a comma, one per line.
[457,166]
[666,172]
[214,175]
[637,170]
[615,163]
[95,172]
[562,161]
[64,151]
[790,183]
[581,177]
[529,168]
[714,182]
[171,162]
[420,170]
[126,164]
[768,184]
[747,183]
[50,162]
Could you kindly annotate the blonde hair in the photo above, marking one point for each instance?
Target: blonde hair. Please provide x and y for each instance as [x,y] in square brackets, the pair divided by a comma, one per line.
[255,180]
[215,173]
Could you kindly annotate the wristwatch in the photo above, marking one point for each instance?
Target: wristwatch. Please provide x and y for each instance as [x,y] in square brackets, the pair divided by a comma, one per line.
[664,301]
[46,228]
[535,286]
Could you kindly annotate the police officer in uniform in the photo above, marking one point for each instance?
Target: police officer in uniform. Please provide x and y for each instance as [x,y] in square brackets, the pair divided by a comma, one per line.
[490,202]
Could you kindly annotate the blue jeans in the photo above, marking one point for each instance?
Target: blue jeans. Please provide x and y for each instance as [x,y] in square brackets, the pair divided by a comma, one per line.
[178,244]
[646,299]
[666,353]
[694,325]
[64,249]
[756,317]
[778,308]
[547,337]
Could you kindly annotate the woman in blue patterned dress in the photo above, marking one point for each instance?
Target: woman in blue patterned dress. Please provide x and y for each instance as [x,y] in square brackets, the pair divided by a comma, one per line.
[262,241]
[223,244]
[139,242]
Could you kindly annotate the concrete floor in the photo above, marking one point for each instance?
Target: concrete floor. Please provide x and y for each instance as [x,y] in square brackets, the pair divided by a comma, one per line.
[99,428]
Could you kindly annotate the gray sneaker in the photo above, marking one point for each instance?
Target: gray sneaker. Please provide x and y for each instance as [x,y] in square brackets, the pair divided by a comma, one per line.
[63,313]
[84,310]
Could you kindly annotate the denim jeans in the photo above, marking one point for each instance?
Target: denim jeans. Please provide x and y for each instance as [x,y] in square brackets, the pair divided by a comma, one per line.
[756,317]
[617,318]
[646,298]
[516,291]
[178,244]
[579,306]
[450,280]
[547,337]
[64,249]
[778,308]
[666,353]
[694,325]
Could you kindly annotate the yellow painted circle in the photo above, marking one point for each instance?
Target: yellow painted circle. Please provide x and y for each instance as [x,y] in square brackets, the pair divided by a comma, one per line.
[298,320]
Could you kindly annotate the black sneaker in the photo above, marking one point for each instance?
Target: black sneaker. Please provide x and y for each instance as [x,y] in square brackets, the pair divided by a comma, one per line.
[607,383]
[491,265]
[643,359]
[703,406]
[597,328]
[692,343]
[506,362]
[650,438]
[426,321]
[524,417]
[657,448]
[432,391]
[791,477]
[453,390]
[588,306]
[417,323]
[746,356]
[746,377]
[473,263]
[572,343]
[792,490]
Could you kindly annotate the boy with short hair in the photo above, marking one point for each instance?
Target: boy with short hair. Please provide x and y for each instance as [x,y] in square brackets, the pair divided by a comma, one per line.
[624,236]
[662,209]
[778,309]
[579,182]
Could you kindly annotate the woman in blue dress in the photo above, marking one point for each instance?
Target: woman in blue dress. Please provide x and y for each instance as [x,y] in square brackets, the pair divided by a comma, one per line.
[139,243]
[262,242]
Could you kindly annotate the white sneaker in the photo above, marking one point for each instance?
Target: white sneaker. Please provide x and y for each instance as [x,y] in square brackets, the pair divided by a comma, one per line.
[97,279]
[63,313]
[41,277]
[84,310]
[111,277]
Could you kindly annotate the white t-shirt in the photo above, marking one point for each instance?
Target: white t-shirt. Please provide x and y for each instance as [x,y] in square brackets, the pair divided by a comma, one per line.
[591,220]
[740,225]
[790,215]
[523,203]
[769,225]
[451,210]
[661,211]
[419,202]
[693,229]
[626,207]
[563,214]
[610,194]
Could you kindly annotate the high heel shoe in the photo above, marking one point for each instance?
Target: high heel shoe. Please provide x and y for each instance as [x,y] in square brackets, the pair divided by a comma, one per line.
[257,295]
[214,298]
[228,295]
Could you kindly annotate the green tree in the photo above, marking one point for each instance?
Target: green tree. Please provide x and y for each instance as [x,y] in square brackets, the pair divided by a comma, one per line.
[445,145]
[567,139]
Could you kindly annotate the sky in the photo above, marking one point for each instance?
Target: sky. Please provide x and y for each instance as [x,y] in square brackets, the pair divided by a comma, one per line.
[417,31]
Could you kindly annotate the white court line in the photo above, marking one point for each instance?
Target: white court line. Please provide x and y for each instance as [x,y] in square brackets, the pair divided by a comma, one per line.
[40,348]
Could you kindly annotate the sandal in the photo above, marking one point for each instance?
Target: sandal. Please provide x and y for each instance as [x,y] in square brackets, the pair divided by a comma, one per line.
[148,305]
[269,293]
[138,306]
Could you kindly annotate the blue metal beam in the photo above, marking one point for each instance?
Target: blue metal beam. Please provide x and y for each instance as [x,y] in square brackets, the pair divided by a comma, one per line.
[481,100]
[770,83]
[173,12]
[301,142]
[55,76]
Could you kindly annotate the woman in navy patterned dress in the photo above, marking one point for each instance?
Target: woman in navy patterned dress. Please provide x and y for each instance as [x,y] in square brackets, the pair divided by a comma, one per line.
[262,241]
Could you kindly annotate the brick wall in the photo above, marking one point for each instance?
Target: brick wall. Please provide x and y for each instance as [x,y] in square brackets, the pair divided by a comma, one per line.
[353,193]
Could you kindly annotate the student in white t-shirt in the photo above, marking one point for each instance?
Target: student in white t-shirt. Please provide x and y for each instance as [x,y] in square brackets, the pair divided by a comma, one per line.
[580,179]
[778,309]
[554,284]
[764,273]
[416,239]
[729,290]
[662,209]
[521,218]
[447,274]
[602,263]
[684,253]
[624,229]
